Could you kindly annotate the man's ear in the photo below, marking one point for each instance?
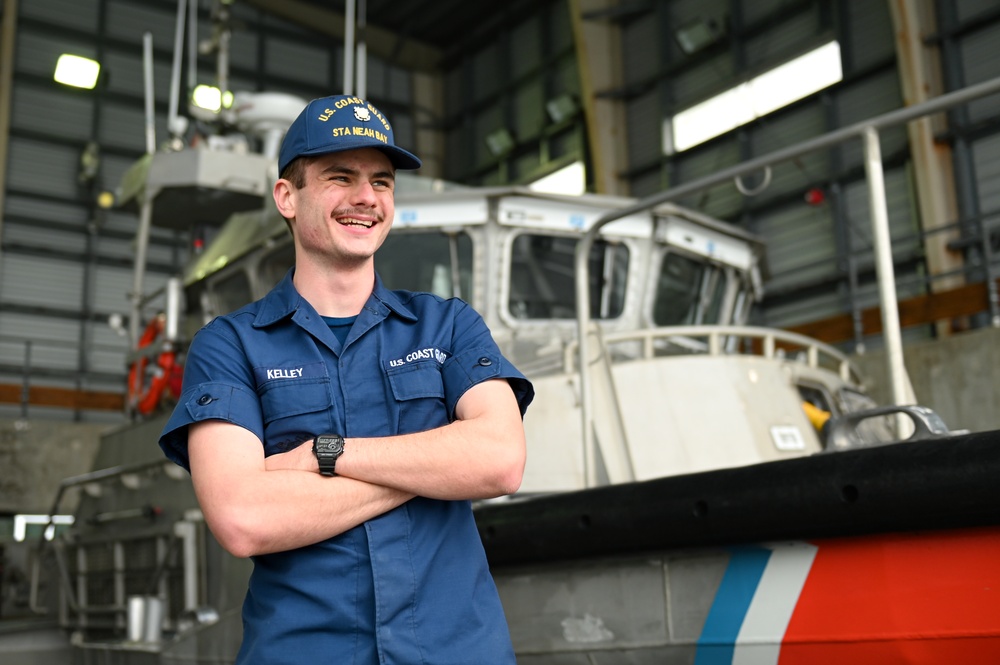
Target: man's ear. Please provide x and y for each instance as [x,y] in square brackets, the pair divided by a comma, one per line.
[284,198]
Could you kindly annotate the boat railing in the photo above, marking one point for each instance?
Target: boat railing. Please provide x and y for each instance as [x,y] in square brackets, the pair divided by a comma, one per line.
[718,340]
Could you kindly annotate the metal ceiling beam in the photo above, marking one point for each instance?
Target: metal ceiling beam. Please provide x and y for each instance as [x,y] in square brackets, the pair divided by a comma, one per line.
[381,42]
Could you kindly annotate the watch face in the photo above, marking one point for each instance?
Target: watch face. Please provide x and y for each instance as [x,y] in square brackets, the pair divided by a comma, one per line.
[330,444]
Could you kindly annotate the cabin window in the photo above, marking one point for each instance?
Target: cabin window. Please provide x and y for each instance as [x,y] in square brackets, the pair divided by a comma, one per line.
[432,261]
[689,292]
[232,292]
[274,266]
[542,278]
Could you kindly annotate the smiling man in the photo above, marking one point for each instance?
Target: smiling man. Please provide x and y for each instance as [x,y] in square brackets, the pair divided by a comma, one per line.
[336,431]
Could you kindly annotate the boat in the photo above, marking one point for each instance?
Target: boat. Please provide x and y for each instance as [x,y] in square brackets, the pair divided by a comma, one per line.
[741,500]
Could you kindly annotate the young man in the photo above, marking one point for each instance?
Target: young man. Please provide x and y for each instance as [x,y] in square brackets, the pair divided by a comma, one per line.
[337,431]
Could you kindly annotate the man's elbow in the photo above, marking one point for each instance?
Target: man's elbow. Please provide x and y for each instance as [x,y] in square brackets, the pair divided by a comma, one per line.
[238,535]
[509,472]
[510,483]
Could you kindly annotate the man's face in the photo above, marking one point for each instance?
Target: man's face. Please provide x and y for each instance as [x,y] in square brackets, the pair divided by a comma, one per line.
[344,211]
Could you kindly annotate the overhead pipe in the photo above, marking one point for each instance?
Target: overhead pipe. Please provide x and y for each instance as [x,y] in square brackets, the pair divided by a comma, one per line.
[362,52]
[192,29]
[222,57]
[146,208]
[147,80]
[173,114]
[349,22]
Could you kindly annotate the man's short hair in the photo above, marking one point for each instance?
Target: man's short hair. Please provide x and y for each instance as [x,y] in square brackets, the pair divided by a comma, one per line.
[295,172]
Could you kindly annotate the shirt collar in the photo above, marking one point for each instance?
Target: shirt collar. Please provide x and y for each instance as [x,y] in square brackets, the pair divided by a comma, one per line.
[284,300]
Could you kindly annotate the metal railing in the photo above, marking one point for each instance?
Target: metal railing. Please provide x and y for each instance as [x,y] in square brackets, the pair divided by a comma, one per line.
[769,343]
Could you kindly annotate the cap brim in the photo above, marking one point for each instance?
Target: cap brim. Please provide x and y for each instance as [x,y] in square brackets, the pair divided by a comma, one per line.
[400,158]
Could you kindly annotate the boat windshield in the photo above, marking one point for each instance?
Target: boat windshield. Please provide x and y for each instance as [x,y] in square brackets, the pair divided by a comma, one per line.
[542,277]
[432,261]
[689,292]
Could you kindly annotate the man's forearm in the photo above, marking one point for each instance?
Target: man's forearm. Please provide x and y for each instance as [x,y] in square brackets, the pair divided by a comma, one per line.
[256,506]
[451,462]
[481,455]
[290,509]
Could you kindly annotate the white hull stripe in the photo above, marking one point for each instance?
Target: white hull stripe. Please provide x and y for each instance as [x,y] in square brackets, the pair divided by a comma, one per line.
[759,640]
[732,600]
[754,604]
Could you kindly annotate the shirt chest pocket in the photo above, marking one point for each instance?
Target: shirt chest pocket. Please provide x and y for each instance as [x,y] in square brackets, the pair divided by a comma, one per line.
[284,399]
[419,392]
[295,408]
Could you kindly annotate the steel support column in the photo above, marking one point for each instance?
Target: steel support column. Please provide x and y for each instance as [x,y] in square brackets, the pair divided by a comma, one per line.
[599,61]
[920,79]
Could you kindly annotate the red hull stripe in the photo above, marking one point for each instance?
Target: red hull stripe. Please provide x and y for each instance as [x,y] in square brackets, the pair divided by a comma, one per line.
[900,598]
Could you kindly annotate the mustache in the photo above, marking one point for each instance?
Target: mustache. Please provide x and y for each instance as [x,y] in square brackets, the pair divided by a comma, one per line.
[359,212]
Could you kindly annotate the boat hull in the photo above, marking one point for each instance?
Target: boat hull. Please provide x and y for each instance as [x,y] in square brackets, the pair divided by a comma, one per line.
[881,555]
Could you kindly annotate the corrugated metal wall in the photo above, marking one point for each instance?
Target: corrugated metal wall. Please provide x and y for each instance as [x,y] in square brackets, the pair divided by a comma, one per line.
[812,249]
[973,59]
[65,264]
[504,85]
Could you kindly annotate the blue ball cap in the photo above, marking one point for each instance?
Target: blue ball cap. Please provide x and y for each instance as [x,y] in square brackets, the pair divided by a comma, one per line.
[337,123]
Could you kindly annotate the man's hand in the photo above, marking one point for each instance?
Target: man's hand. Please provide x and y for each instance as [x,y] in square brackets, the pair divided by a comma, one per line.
[300,458]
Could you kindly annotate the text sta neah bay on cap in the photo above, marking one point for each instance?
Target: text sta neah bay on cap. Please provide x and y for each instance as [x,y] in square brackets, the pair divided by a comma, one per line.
[360,131]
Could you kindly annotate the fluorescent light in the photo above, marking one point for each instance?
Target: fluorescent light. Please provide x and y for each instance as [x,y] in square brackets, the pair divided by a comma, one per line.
[712,117]
[772,90]
[209,97]
[571,180]
[77,71]
[797,79]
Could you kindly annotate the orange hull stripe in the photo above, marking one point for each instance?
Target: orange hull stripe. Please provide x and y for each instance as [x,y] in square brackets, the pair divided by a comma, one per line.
[900,598]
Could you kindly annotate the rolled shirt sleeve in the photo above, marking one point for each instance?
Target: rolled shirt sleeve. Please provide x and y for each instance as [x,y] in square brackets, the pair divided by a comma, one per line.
[216,387]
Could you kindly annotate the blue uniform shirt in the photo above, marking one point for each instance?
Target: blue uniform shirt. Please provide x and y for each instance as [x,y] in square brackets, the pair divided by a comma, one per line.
[412,585]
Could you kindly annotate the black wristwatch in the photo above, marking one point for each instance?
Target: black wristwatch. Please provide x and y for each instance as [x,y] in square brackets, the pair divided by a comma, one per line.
[328,448]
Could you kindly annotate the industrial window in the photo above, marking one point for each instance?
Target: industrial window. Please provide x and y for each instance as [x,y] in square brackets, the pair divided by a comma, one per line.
[766,93]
